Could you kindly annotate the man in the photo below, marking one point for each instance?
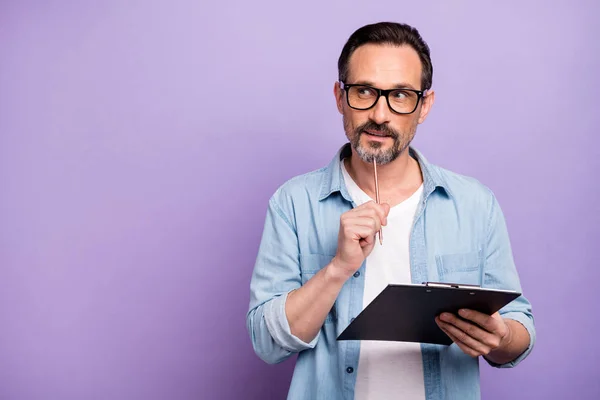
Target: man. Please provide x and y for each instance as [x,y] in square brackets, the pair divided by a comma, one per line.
[319,263]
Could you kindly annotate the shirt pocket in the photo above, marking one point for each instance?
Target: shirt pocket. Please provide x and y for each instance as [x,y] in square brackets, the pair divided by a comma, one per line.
[464,268]
[310,264]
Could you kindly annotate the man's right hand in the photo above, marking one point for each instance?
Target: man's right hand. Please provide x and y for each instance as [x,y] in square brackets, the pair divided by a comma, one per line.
[306,307]
[356,238]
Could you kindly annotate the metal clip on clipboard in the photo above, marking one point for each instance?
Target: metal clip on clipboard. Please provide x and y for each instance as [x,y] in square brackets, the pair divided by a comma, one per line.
[451,285]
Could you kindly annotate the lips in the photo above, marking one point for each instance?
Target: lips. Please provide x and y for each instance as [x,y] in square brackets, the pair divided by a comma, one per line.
[376,133]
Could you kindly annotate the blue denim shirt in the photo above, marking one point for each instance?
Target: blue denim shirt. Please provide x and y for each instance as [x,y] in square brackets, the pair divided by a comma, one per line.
[459,235]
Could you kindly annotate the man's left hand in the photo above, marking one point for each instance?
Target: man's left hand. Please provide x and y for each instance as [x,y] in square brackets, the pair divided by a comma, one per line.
[476,334]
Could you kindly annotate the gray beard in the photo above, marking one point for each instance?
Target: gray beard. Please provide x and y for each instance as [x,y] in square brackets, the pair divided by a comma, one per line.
[381,156]
[373,149]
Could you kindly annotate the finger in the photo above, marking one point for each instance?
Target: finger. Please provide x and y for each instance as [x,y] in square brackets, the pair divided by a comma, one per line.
[380,211]
[462,337]
[365,213]
[359,232]
[465,349]
[364,216]
[487,322]
[472,330]
[364,205]
[363,222]
[375,212]
[367,241]
[386,208]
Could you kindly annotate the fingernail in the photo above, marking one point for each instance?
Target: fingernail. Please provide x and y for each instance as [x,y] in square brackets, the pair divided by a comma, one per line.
[445,317]
[463,313]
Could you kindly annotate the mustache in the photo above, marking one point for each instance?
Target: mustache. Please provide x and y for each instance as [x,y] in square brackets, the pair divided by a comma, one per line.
[372,126]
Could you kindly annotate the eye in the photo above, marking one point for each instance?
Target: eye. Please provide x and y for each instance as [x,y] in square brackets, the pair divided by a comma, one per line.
[365,91]
[400,94]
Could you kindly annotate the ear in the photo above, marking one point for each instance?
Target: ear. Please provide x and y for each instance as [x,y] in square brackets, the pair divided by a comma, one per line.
[339,97]
[428,101]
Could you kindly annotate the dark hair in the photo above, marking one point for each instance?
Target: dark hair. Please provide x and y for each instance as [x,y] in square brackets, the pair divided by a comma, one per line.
[388,33]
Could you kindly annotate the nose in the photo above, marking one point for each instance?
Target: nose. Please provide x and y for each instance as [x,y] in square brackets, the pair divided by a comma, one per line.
[381,113]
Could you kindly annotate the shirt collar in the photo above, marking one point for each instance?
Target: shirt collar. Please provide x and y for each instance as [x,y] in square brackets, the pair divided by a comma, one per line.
[333,180]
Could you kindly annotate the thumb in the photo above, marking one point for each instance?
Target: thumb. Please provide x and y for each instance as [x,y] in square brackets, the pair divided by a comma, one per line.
[386,208]
[386,211]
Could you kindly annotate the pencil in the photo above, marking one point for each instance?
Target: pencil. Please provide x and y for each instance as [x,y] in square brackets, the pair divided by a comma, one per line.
[377,196]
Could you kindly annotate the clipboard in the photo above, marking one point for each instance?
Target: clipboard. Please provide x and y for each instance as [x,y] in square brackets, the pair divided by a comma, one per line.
[406,313]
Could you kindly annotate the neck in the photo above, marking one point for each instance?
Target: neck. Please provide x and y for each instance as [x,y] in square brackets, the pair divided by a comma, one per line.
[397,180]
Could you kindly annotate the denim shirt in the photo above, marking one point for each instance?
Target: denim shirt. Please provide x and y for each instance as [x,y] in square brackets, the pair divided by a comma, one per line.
[458,235]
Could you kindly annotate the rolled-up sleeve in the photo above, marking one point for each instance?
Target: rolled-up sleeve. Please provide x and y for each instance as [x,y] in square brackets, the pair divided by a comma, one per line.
[500,273]
[276,273]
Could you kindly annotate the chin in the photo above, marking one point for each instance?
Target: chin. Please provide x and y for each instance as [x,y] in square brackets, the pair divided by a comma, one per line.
[383,155]
[376,147]
[367,153]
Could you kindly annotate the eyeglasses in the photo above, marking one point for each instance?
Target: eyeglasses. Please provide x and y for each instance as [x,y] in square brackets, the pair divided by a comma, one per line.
[400,101]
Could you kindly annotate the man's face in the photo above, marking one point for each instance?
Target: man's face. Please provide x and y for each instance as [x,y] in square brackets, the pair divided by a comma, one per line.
[379,132]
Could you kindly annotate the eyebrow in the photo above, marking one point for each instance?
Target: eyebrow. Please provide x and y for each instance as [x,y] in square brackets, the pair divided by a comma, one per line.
[396,86]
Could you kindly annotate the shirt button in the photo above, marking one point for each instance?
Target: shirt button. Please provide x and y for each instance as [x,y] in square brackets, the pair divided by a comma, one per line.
[357,274]
[351,319]
[349,370]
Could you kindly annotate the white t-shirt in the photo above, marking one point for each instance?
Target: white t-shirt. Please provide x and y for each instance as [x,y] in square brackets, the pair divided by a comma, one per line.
[388,370]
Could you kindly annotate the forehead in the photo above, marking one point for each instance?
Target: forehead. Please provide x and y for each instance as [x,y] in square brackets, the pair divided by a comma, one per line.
[385,66]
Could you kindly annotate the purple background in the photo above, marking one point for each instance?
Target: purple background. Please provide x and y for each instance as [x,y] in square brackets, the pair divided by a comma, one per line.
[141,140]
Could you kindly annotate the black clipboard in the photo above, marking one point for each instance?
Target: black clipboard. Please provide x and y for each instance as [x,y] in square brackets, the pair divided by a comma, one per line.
[406,313]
